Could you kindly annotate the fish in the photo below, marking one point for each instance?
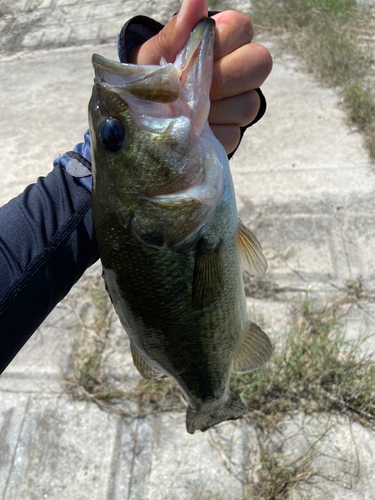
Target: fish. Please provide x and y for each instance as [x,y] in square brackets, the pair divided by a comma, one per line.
[170,241]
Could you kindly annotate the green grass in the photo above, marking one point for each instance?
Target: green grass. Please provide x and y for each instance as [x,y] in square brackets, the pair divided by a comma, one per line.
[332,38]
[314,369]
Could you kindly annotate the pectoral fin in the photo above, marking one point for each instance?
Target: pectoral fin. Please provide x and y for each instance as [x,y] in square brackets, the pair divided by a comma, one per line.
[255,350]
[208,274]
[252,259]
[144,368]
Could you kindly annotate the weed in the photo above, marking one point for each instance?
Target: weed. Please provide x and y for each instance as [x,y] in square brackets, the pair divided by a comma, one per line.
[7,11]
[279,474]
[89,381]
[32,7]
[315,369]
[277,477]
[260,288]
[356,289]
[363,98]
[158,394]
[332,38]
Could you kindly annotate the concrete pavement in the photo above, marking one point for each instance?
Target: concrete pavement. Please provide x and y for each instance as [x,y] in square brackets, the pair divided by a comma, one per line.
[303,183]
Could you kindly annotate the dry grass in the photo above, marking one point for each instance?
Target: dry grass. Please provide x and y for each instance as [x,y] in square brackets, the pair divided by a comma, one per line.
[335,40]
[88,380]
[314,370]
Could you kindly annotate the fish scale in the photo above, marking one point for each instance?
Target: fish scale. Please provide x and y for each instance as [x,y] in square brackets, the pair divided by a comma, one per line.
[169,237]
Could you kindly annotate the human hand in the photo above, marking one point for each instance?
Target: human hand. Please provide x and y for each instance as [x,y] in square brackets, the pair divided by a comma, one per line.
[239,66]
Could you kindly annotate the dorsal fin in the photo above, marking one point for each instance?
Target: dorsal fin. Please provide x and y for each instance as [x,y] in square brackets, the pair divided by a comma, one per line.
[255,350]
[252,259]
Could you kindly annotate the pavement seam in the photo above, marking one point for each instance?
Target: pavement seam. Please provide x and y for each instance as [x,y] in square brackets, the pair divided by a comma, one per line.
[16,448]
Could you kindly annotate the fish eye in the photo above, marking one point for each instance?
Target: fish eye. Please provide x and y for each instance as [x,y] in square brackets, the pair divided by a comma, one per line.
[112,133]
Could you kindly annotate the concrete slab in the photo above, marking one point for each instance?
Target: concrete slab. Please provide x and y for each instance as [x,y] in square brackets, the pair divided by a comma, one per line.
[12,412]
[44,112]
[196,468]
[343,459]
[61,23]
[300,127]
[64,451]
[303,184]
[304,191]
[132,464]
[45,358]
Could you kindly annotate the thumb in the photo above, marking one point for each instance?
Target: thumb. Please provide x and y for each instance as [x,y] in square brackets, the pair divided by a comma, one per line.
[173,37]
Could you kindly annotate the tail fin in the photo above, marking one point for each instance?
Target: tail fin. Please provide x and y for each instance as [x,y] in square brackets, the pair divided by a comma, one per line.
[231,410]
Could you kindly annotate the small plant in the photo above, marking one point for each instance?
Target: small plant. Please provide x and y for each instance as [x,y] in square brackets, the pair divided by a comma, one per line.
[89,381]
[314,369]
[331,37]
[356,289]
[277,477]
[32,7]
[157,395]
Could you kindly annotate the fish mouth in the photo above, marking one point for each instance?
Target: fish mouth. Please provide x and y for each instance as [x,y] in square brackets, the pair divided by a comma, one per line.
[161,83]
[198,46]
[152,82]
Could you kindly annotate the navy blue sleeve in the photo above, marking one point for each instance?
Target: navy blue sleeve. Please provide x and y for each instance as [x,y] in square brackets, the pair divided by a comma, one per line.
[47,241]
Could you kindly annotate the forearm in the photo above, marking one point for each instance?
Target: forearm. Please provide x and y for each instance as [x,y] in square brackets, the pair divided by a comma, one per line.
[46,243]
[47,237]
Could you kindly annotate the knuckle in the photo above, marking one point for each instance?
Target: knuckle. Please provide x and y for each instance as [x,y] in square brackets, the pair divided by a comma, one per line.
[244,24]
[233,139]
[162,45]
[249,108]
[265,59]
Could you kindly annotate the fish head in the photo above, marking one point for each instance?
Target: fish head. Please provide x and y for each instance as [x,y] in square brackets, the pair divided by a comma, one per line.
[156,163]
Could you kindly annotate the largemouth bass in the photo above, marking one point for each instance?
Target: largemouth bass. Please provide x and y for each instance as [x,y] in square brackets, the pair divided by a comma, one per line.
[169,237]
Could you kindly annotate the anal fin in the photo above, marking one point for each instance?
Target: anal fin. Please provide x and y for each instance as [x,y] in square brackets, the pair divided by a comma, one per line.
[255,350]
[144,368]
[231,410]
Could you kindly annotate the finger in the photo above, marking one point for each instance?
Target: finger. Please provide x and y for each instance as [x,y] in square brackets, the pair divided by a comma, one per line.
[173,37]
[237,110]
[232,31]
[228,135]
[244,69]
